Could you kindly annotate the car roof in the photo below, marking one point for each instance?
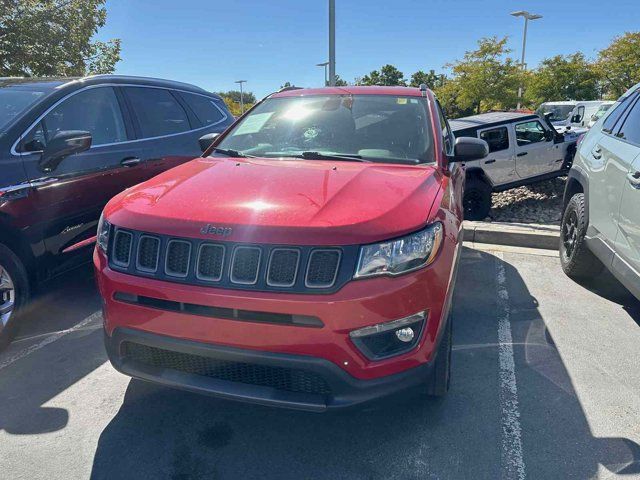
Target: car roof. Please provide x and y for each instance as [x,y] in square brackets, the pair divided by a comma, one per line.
[488,119]
[72,83]
[350,90]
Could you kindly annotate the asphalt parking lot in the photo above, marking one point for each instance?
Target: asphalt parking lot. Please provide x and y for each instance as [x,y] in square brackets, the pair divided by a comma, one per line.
[546,384]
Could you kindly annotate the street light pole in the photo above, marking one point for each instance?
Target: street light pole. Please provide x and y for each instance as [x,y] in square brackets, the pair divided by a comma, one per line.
[240,82]
[527,16]
[332,43]
[324,64]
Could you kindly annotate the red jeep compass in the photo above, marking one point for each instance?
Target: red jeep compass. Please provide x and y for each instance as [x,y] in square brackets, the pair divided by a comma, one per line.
[307,260]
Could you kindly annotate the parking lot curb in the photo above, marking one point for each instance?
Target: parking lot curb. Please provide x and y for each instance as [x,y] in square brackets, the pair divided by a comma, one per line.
[513,234]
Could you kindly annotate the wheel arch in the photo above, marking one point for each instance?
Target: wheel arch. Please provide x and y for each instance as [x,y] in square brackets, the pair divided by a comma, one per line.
[477,172]
[18,244]
[576,183]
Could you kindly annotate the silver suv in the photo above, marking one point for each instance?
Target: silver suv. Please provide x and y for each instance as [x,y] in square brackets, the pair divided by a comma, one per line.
[601,220]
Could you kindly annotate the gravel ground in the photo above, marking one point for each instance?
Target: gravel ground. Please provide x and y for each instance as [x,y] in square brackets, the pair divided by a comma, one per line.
[537,203]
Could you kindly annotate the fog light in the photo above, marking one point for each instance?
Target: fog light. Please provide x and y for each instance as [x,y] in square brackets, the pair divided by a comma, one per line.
[405,334]
[388,339]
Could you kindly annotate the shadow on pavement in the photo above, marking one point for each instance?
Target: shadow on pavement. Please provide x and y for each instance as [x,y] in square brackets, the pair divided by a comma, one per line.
[164,433]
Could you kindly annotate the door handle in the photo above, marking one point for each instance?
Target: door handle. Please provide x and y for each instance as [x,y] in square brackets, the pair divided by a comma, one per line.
[492,160]
[521,154]
[130,162]
[634,179]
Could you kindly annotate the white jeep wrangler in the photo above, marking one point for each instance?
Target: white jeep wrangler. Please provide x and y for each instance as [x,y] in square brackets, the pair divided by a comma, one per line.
[523,149]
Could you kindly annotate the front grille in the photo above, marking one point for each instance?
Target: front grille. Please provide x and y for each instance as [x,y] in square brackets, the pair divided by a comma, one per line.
[323,267]
[178,255]
[122,248]
[246,262]
[232,265]
[279,378]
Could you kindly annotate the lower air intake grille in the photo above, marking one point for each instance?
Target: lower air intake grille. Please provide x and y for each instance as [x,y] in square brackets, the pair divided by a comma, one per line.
[287,379]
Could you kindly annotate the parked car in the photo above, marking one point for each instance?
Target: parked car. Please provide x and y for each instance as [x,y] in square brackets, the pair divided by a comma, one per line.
[66,147]
[599,227]
[316,266]
[604,106]
[569,113]
[523,149]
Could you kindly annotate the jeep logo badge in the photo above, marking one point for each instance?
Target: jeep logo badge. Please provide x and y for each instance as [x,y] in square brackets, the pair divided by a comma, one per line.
[213,230]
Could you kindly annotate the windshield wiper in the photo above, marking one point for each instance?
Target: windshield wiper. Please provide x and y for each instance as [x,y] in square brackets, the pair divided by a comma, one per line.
[231,153]
[348,157]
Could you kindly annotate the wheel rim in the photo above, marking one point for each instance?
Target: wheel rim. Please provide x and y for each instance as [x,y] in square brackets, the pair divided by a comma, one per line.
[570,234]
[7,297]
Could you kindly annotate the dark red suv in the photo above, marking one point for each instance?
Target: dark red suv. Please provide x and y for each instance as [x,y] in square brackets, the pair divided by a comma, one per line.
[307,260]
[66,147]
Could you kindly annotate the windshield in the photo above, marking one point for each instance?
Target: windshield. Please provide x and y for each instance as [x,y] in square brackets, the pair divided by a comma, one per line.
[558,112]
[14,101]
[603,108]
[380,128]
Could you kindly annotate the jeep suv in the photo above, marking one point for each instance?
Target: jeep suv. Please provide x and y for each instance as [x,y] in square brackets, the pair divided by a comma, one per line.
[601,221]
[307,260]
[66,147]
[523,149]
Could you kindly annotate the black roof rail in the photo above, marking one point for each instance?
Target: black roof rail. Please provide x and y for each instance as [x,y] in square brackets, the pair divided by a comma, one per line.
[291,87]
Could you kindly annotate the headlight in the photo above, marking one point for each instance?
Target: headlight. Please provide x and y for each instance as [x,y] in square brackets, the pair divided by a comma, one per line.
[103,234]
[400,255]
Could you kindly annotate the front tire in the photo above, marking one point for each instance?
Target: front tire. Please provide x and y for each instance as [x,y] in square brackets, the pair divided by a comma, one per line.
[14,293]
[576,259]
[476,199]
[440,379]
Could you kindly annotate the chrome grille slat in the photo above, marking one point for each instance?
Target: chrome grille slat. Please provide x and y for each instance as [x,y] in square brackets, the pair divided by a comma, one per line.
[282,270]
[210,262]
[148,255]
[177,258]
[245,265]
[122,244]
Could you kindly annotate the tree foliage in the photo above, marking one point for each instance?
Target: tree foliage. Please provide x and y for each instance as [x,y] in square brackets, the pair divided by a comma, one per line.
[388,75]
[234,96]
[568,77]
[431,79]
[54,38]
[619,64]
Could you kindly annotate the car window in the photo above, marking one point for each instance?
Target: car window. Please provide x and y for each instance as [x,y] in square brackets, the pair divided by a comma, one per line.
[630,129]
[14,102]
[529,132]
[158,112]
[95,110]
[580,113]
[497,138]
[204,108]
[610,122]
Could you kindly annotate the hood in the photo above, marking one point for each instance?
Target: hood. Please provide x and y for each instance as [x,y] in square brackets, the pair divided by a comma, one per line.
[303,202]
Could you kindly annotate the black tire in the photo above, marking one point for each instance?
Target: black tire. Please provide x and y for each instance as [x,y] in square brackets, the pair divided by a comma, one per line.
[476,199]
[575,257]
[17,274]
[438,384]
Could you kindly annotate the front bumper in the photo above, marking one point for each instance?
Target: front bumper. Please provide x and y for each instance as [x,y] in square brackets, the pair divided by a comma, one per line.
[193,371]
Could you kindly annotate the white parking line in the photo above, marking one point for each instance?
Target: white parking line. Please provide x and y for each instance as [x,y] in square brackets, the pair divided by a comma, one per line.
[50,339]
[511,461]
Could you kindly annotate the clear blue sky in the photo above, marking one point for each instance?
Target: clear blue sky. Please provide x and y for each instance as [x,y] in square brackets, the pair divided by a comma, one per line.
[211,43]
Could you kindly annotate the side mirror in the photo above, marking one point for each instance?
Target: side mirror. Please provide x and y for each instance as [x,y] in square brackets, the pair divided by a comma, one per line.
[577,118]
[467,149]
[549,135]
[206,140]
[62,145]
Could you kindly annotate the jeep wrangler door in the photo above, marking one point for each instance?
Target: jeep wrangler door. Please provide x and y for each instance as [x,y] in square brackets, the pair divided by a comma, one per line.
[536,152]
[500,164]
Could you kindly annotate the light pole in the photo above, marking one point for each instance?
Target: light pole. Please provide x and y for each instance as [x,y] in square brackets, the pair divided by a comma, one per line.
[326,81]
[241,94]
[527,16]
[332,43]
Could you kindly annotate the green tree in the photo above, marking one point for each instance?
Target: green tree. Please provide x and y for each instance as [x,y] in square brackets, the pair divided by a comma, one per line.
[234,96]
[563,77]
[430,79]
[486,78]
[388,76]
[53,38]
[340,82]
[619,64]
